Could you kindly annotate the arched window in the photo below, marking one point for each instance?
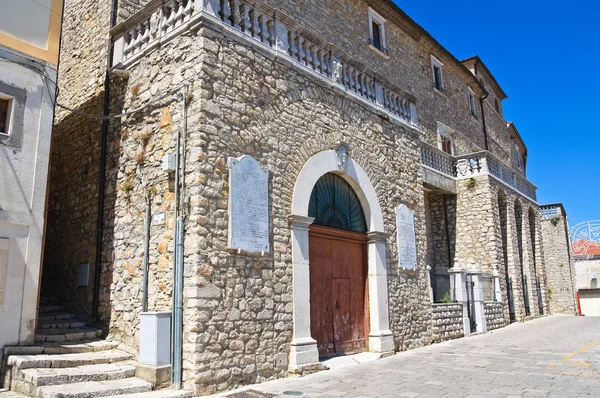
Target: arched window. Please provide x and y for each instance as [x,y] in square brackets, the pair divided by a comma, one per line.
[333,203]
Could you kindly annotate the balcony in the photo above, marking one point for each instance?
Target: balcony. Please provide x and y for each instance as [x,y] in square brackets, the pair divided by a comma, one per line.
[268,32]
[439,168]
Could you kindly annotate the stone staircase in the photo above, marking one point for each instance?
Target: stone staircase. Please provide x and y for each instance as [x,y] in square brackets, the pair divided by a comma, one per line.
[69,360]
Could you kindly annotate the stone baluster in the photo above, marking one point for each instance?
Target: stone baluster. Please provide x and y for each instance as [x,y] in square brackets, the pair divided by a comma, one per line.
[226,12]
[301,54]
[323,63]
[308,54]
[235,12]
[188,9]
[315,58]
[245,21]
[264,31]
[146,32]
[345,77]
[179,15]
[255,27]
[211,7]
[292,43]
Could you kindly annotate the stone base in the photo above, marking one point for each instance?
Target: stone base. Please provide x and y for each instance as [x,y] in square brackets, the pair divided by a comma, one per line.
[157,375]
[381,342]
[304,370]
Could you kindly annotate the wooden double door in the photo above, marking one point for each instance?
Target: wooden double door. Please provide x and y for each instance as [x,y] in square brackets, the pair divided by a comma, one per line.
[338,290]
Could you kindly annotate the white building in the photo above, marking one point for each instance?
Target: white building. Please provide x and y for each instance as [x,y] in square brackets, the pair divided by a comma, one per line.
[29,41]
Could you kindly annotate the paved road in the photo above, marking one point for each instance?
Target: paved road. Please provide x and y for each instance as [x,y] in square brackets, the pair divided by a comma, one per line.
[556,356]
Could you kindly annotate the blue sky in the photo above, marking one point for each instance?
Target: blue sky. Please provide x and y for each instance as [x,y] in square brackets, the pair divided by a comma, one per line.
[546,57]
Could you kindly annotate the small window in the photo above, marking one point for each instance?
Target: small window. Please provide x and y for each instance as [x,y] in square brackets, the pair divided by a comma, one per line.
[5,111]
[445,141]
[471,99]
[497,105]
[377,31]
[437,73]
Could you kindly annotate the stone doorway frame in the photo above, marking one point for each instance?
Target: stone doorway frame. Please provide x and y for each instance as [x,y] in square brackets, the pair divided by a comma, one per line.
[303,348]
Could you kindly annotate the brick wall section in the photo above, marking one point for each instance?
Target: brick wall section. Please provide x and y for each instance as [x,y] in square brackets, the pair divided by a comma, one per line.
[494,315]
[447,322]
[559,269]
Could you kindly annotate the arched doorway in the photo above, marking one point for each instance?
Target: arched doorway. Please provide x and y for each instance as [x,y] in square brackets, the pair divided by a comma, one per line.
[338,268]
[303,347]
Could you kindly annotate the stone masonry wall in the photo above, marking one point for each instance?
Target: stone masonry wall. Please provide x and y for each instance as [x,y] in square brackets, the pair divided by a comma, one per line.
[559,270]
[447,322]
[494,315]
[73,179]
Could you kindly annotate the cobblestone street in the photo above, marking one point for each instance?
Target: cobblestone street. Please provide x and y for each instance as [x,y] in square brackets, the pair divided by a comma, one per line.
[556,356]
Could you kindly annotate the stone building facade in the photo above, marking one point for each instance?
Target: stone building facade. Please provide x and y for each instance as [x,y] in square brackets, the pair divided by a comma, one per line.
[355,90]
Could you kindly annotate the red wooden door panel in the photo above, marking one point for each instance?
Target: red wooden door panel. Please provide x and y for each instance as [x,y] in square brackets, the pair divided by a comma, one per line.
[338,290]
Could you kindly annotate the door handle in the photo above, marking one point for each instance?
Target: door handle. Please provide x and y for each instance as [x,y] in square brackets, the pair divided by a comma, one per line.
[337,304]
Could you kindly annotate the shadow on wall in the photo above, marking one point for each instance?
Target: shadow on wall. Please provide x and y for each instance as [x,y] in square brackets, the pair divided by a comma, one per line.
[73,206]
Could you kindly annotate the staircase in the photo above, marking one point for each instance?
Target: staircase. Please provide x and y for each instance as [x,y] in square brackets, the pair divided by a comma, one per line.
[69,360]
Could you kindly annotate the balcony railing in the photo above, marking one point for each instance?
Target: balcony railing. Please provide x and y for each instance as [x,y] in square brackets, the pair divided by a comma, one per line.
[473,165]
[161,21]
[438,160]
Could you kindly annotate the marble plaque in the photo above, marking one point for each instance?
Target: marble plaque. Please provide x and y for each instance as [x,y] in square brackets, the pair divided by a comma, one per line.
[407,245]
[248,205]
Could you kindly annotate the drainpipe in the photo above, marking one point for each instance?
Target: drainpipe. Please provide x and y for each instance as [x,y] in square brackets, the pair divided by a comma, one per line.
[177,324]
[102,172]
[146,255]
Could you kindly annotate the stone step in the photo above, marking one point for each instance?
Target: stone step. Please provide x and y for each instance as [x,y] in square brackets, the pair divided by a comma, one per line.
[60,334]
[51,316]
[61,347]
[87,389]
[60,324]
[27,381]
[66,360]
[158,394]
[10,394]
[44,309]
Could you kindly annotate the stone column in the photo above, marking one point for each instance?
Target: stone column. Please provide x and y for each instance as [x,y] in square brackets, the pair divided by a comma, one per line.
[381,338]
[478,299]
[303,348]
[431,297]
[459,293]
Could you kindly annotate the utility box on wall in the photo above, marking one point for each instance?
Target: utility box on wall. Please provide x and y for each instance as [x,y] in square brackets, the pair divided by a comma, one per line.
[155,338]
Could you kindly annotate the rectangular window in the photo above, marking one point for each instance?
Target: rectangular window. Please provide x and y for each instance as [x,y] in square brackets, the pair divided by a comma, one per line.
[437,73]
[377,31]
[446,145]
[5,111]
[445,140]
[471,98]
[376,35]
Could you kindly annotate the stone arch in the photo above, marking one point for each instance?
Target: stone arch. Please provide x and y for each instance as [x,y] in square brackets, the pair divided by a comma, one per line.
[303,348]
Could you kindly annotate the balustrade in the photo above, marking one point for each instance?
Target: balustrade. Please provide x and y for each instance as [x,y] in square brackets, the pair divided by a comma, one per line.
[132,38]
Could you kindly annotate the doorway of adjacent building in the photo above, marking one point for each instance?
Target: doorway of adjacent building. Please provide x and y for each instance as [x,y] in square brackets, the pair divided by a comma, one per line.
[338,268]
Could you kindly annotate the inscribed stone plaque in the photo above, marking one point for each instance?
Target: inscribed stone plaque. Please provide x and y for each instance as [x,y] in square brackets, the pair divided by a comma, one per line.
[407,246]
[248,205]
